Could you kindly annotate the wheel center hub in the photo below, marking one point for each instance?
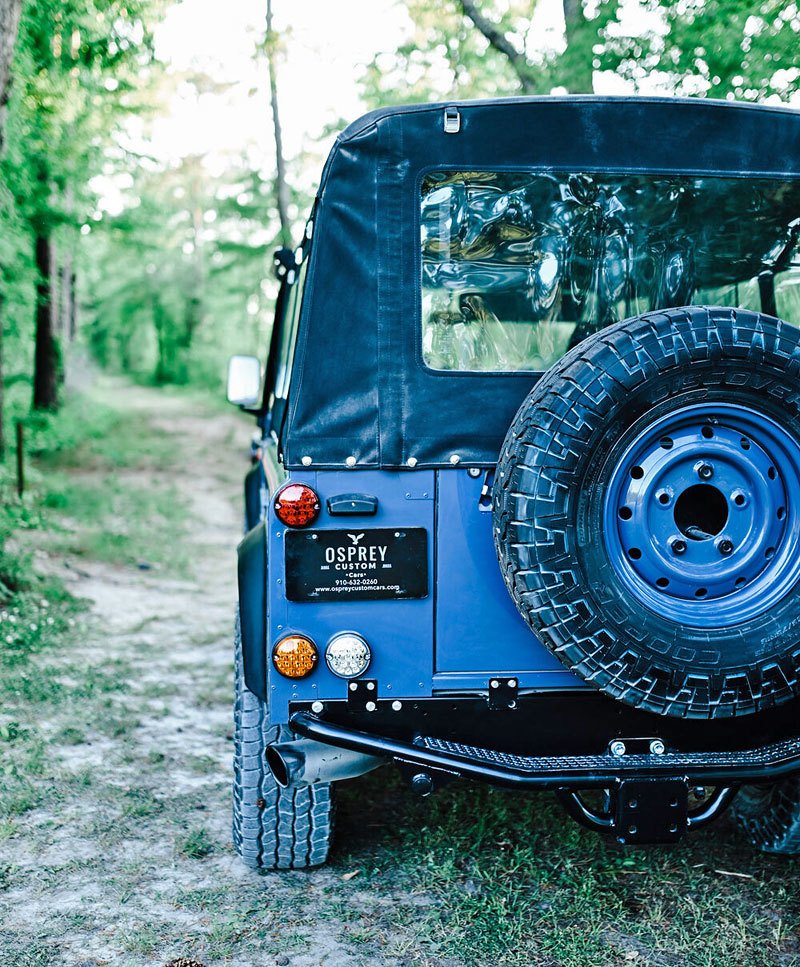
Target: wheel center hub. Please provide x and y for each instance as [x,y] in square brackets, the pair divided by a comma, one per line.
[701,512]
[697,513]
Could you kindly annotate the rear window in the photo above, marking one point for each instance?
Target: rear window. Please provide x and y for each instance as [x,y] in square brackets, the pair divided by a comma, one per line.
[518,267]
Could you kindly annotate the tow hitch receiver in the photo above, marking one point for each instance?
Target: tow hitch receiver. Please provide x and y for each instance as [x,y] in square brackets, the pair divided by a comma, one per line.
[651,811]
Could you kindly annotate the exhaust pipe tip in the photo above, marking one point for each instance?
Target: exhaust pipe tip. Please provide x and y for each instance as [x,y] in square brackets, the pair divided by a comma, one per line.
[306,762]
[277,766]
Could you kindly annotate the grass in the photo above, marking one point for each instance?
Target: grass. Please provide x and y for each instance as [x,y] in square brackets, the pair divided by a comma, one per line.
[120,522]
[196,844]
[36,954]
[100,516]
[507,879]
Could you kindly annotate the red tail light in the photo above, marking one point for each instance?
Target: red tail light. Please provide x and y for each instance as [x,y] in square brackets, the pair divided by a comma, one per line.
[296,505]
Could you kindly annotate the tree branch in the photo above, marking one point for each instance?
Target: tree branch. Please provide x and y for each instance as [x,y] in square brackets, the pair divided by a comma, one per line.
[9,24]
[281,186]
[498,40]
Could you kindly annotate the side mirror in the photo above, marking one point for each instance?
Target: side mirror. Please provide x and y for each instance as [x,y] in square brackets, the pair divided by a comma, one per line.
[244,381]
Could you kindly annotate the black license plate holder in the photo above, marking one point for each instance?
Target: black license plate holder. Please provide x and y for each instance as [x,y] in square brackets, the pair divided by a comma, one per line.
[357,564]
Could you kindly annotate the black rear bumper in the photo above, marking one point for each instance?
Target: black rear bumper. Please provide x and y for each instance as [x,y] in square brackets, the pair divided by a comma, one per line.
[763,763]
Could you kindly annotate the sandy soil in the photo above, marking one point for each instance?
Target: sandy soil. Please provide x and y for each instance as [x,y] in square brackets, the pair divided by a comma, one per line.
[127,858]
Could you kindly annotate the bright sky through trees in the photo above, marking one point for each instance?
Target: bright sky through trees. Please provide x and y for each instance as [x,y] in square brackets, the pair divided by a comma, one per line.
[324,46]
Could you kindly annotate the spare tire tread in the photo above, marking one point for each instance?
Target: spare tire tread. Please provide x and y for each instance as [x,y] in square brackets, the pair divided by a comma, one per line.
[537,465]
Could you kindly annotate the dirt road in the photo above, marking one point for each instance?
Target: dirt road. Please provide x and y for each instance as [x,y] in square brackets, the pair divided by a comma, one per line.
[115,761]
[125,858]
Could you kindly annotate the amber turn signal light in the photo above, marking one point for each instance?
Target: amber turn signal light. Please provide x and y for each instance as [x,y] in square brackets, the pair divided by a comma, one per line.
[295,656]
[296,505]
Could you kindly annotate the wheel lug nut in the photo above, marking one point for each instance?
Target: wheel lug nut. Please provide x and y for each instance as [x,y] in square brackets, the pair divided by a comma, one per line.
[677,546]
[663,497]
[725,546]
[704,470]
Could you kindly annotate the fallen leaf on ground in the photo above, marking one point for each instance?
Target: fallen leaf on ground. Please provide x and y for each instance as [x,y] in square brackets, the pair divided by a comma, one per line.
[349,876]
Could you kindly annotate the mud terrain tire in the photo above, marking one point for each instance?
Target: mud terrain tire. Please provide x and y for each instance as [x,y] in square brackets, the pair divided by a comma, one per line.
[770,815]
[273,828]
[728,381]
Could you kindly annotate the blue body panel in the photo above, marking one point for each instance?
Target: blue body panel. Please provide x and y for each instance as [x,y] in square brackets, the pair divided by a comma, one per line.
[479,631]
[465,631]
[400,633]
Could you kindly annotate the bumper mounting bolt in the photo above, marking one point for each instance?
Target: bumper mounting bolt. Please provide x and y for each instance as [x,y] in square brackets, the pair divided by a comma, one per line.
[657,747]
[617,748]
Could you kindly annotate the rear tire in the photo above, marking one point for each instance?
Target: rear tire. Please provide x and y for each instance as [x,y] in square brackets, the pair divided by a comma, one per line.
[273,828]
[770,815]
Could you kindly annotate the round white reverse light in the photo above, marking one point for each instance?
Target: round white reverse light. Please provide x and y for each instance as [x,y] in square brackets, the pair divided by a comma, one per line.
[348,655]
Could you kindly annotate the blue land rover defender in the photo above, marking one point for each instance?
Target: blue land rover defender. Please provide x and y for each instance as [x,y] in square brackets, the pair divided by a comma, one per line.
[527,503]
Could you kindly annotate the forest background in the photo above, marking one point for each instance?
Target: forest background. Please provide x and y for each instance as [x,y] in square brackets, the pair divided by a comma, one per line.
[162,266]
[142,195]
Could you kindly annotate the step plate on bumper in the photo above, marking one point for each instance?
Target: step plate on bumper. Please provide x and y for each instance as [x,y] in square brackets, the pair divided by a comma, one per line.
[668,763]
[766,763]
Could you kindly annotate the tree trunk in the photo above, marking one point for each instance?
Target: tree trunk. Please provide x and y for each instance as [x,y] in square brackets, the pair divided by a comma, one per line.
[498,40]
[577,58]
[66,274]
[72,318]
[45,365]
[55,299]
[281,187]
[65,296]
[9,25]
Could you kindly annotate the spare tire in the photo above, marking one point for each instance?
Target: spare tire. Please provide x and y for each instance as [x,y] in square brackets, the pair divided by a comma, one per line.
[647,511]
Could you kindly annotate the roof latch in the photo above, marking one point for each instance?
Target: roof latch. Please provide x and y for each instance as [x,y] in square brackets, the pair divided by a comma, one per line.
[452,120]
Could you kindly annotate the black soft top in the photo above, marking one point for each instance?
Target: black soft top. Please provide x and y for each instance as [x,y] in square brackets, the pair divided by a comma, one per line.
[359,387]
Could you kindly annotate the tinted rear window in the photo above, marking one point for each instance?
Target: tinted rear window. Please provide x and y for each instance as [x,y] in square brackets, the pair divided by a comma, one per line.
[518,267]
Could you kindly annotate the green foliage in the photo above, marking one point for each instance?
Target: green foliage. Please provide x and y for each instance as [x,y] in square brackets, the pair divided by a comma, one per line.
[196,844]
[719,48]
[178,278]
[445,56]
[77,72]
[79,455]
[714,48]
